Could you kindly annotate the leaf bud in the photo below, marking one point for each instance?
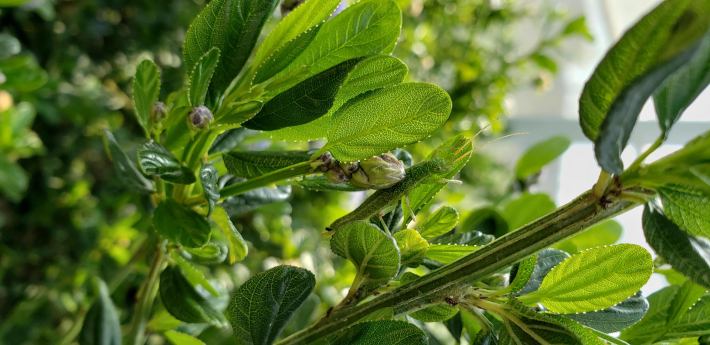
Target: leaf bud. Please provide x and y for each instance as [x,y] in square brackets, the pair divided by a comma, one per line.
[378,172]
[200,117]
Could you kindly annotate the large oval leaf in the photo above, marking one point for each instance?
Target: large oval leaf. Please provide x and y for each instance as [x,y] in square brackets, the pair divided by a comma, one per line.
[594,279]
[374,254]
[233,26]
[615,318]
[656,46]
[181,224]
[386,119]
[183,302]
[304,102]
[250,164]
[687,254]
[687,207]
[260,308]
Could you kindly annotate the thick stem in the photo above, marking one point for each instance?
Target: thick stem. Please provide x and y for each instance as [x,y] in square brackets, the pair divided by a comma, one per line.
[146,296]
[267,179]
[566,221]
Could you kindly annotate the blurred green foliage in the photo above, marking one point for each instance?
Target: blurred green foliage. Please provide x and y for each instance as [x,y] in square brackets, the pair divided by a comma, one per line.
[64,216]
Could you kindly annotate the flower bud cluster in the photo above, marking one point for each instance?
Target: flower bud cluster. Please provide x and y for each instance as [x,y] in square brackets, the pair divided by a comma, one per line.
[378,172]
[200,117]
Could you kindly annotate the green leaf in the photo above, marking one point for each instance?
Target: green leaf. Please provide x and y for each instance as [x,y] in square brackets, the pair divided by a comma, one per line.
[155,160]
[13,179]
[369,74]
[521,273]
[578,26]
[236,113]
[687,254]
[233,26]
[687,207]
[385,119]
[125,168]
[9,46]
[193,275]
[363,29]
[181,224]
[455,153]
[210,187]
[260,308]
[615,318]
[182,301]
[322,183]
[526,208]
[373,253]
[201,76]
[412,247]
[238,248]
[146,89]
[250,164]
[435,313]
[656,46]
[303,103]
[101,324]
[252,199]
[675,312]
[600,234]
[305,18]
[594,279]
[388,332]
[285,55]
[213,252]
[539,155]
[448,253]
[546,260]
[680,89]
[178,338]
[439,223]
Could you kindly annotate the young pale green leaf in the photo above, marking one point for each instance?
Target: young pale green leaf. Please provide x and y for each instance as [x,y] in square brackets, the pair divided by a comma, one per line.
[183,302]
[233,26]
[179,338]
[209,180]
[146,89]
[101,324]
[539,155]
[181,224]
[385,119]
[600,234]
[238,248]
[234,114]
[455,153]
[303,103]
[250,164]
[388,332]
[594,279]
[439,223]
[448,253]
[155,160]
[162,321]
[546,260]
[656,46]
[14,180]
[675,312]
[687,207]
[373,73]
[213,252]
[680,89]
[305,18]
[201,76]
[363,29]
[687,254]
[374,254]
[526,208]
[412,247]
[124,167]
[615,318]
[260,308]
[435,313]
[285,55]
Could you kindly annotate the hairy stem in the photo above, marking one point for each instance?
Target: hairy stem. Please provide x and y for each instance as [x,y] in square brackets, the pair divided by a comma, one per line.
[146,296]
[295,170]
[566,221]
